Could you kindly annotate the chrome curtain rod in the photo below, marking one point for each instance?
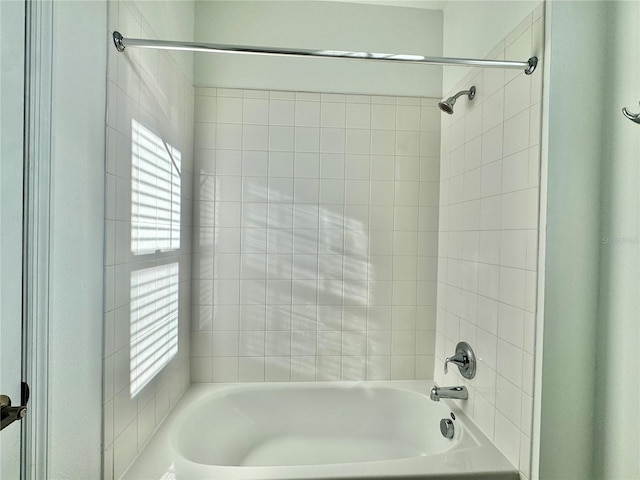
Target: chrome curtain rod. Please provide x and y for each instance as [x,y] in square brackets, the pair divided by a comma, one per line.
[121,43]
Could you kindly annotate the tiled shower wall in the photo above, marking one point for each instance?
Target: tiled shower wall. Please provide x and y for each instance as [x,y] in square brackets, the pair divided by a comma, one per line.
[315,238]
[148,87]
[488,241]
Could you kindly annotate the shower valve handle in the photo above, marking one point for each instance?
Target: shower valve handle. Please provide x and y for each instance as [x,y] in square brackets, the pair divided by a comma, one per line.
[458,359]
[464,359]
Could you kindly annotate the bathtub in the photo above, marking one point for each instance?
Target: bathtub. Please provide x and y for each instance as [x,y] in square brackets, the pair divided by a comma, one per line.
[332,430]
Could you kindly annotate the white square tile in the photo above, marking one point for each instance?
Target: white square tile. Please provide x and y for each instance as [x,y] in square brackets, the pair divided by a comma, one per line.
[227,240]
[513,248]
[516,133]
[332,165]
[252,292]
[379,367]
[407,117]
[405,218]
[228,137]
[280,191]
[228,162]
[332,115]
[280,164]
[510,362]
[358,141]
[279,265]
[508,400]
[487,349]
[484,414]
[251,369]
[226,317]
[492,144]
[517,95]
[307,114]
[491,181]
[226,266]
[252,343]
[254,266]
[306,165]
[255,111]
[416,143]
[511,325]
[278,343]
[303,343]
[281,112]
[473,121]
[354,293]
[357,192]
[383,142]
[224,344]
[515,210]
[357,167]
[255,137]
[304,292]
[407,168]
[507,438]
[307,139]
[254,163]
[226,292]
[332,191]
[383,167]
[306,216]
[402,367]
[303,368]
[382,192]
[281,138]
[225,369]
[254,189]
[515,173]
[332,140]
[306,190]
[383,117]
[229,110]
[358,115]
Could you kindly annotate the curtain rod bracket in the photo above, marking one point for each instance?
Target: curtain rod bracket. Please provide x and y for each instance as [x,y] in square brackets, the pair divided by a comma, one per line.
[117,40]
[533,63]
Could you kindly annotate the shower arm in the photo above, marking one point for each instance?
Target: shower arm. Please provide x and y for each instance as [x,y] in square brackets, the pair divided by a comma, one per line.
[470,93]
[121,43]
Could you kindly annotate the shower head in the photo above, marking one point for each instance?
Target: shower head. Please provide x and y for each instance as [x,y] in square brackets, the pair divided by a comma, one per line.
[447,105]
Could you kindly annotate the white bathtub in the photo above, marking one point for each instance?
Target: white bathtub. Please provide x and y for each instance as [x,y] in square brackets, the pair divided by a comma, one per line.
[337,430]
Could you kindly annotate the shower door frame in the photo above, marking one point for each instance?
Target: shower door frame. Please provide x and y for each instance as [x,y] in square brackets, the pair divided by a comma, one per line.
[38,83]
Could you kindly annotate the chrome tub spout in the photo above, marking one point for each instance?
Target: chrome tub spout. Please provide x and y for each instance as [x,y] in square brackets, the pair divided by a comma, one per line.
[457,393]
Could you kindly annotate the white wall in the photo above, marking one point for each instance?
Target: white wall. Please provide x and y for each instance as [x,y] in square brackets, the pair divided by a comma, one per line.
[619,253]
[473,28]
[319,25]
[573,238]
[316,243]
[173,20]
[155,89]
[77,239]
[488,243]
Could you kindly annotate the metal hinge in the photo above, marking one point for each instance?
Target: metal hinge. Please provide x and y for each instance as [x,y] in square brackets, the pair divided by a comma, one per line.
[9,414]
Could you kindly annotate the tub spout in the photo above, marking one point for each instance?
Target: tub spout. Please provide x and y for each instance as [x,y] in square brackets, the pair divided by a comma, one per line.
[457,393]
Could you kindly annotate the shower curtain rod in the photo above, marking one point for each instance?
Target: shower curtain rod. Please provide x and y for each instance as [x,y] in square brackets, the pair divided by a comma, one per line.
[121,43]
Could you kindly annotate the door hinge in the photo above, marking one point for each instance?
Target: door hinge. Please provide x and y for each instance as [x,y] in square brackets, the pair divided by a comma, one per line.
[9,414]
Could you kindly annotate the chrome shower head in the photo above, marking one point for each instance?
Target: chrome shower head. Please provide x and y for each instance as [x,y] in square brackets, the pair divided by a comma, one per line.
[447,105]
